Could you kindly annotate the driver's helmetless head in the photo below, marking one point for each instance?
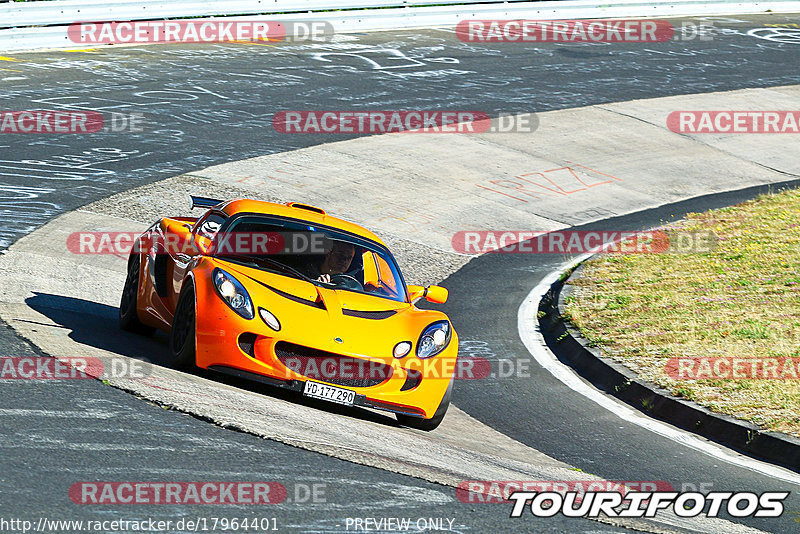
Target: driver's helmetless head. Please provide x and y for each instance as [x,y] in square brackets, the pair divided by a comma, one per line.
[339,258]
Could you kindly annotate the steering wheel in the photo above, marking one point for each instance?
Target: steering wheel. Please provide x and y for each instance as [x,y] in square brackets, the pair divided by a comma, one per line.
[346,281]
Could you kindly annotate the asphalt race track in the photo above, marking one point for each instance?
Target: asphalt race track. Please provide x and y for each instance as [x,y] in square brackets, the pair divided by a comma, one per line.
[209,104]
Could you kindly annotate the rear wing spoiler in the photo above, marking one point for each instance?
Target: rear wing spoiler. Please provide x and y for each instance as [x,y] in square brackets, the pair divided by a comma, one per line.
[203,202]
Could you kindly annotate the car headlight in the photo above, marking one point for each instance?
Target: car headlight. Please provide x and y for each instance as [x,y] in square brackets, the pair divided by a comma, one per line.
[434,339]
[233,293]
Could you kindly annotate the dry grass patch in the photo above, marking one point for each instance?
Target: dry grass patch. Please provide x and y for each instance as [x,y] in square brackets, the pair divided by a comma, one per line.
[742,301]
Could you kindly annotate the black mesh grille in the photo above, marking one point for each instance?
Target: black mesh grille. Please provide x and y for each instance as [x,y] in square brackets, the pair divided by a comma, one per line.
[369,314]
[412,380]
[247,342]
[333,368]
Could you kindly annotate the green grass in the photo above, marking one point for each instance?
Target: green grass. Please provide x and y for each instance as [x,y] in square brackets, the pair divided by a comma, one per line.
[740,300]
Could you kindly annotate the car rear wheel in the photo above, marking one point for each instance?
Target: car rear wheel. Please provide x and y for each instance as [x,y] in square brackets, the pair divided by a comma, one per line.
[428,424]
[128,316]
[181,338]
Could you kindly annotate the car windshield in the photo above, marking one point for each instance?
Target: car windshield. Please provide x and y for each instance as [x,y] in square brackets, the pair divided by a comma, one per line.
[317,254]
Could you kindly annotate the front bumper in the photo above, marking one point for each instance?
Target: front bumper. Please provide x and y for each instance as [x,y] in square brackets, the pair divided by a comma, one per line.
[248,349]
[298,386]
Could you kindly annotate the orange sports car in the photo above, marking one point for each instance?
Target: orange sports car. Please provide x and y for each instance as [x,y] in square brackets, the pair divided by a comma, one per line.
[290,296]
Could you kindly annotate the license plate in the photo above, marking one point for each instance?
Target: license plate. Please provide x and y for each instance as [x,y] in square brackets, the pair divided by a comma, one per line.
[329,393]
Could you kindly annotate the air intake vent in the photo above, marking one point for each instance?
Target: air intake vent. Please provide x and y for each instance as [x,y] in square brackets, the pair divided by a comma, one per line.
[369,314]
[306,207]
[247,342]
[412,380]
[313,303]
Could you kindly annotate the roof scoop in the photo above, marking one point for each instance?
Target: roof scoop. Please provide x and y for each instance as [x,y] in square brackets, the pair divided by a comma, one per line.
[306,207]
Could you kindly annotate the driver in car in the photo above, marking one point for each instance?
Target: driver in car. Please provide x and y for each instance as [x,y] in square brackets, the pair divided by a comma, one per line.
[337,261]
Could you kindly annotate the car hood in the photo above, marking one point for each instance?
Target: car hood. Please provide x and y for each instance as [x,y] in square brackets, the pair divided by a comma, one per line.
[334,320]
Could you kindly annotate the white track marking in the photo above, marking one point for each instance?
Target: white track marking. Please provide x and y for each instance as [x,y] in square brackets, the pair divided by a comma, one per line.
[61,414]
[533,341]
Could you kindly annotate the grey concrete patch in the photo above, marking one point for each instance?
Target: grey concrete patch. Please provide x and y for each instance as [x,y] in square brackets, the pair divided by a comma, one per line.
[169,197]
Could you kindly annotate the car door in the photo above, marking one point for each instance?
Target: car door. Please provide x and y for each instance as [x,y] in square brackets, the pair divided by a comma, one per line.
[190,241]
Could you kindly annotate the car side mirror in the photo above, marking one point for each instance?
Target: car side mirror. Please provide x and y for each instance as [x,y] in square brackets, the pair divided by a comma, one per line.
[435,294]
[202,244]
